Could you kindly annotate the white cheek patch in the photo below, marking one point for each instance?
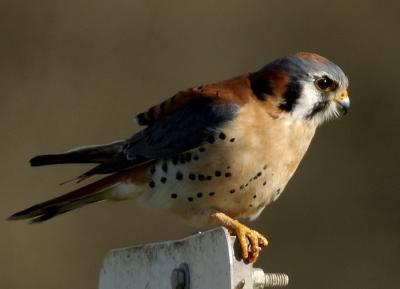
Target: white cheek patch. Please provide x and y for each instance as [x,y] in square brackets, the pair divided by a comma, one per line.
[305,103]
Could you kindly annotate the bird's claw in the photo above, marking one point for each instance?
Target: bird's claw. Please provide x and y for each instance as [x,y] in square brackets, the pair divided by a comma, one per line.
[251,241]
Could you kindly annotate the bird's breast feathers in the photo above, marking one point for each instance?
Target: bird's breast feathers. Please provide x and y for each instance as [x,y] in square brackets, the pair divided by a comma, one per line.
[240,170]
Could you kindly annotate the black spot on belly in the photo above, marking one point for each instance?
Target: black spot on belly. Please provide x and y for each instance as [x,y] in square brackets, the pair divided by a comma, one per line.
[241,187]
[250,205]
[164,167]
[217,173]
[202,149]
[255,196]
[278,191]
[192,176]
[196,158]
[264,184]
[201,177]
[232,139]
[222,135]
[174,196]
[232,191]
[152,184]
[211,139]
[265,167]
[163,180]
[199,195]
[153,169]
[190,199]
[179,176]
[211,194]
[209,178]
[259,174]
[228,175]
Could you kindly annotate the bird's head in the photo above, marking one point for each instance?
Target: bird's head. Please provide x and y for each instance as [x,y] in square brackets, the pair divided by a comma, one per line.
[304,86]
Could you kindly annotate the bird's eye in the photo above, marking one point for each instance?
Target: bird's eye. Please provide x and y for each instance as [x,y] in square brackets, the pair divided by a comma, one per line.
[325,84]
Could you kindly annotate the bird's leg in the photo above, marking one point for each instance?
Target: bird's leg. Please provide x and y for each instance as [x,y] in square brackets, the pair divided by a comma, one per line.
[243,233]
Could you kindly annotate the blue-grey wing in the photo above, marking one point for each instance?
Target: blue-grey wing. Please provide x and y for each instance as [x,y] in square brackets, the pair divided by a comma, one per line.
[172,134]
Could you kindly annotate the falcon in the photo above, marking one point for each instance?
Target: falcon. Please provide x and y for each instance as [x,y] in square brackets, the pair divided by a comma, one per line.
[212,154]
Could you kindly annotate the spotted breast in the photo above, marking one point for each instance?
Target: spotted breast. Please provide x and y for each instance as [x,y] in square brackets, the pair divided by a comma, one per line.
[241,167]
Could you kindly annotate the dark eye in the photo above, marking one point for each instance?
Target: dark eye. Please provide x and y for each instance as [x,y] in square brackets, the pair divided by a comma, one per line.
[325,84]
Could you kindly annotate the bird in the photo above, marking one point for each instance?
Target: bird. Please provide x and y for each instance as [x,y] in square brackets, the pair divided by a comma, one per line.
[213,154]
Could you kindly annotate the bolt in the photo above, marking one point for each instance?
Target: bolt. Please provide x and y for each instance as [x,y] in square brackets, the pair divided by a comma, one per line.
[263,280]
[276,280]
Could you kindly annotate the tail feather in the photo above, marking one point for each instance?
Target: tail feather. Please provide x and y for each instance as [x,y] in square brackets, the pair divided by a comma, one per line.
[91,193]
[88,154]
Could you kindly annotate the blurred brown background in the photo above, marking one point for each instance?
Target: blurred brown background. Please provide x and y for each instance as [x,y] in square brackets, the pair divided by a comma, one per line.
[76,72]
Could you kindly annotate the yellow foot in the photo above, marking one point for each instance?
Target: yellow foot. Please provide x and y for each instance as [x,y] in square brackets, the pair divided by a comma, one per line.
[256,240]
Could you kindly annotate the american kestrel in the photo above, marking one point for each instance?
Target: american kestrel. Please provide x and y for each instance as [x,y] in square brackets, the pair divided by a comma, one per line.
[215,153]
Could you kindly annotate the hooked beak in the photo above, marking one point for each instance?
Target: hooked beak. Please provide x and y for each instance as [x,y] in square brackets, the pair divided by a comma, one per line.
[343,100]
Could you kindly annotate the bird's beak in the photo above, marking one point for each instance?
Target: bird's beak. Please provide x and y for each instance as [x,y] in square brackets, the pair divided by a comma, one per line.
[343,100]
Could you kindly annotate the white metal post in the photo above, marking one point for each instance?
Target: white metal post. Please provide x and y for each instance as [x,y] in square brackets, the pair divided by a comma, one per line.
[204,260]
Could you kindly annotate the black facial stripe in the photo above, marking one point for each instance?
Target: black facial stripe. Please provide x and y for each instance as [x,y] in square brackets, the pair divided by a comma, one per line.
[291,95]
[318,107]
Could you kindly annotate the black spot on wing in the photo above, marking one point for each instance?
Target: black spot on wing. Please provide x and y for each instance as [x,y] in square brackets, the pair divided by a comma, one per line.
[179,176]
[141,119]
[152,184]
[211,139]
[150,113]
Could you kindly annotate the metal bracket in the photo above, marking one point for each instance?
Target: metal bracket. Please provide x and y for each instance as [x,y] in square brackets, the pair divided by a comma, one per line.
[205,260]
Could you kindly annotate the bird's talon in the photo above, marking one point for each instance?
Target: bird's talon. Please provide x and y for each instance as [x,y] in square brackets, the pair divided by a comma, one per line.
[251,242]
